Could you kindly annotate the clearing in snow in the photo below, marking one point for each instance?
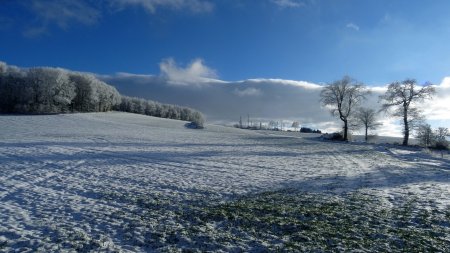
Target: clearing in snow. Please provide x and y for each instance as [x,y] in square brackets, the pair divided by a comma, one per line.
[132,183]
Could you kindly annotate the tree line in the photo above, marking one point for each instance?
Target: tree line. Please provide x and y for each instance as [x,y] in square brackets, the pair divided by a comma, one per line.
[43,90]
[401,99]
[152,108]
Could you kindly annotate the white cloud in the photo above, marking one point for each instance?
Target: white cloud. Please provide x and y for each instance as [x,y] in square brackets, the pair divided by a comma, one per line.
[62,13]
[196,73]
[288,3]
[248,92]
[445,83]
[438,108]
[195,6]
[352,26]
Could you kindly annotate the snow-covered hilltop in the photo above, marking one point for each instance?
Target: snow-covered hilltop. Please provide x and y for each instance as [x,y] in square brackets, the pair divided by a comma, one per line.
[133,183]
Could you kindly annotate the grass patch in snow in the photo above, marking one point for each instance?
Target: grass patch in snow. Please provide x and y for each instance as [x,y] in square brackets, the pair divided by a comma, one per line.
[290,221]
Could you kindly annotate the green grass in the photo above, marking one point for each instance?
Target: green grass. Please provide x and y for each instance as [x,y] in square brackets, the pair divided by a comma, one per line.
[299,221]
[280,221]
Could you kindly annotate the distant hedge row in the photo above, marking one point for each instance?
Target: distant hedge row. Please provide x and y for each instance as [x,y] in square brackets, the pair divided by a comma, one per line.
[45,90]
[152,108]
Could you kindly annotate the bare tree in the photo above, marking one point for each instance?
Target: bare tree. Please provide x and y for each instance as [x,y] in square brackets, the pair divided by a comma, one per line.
[295,125]
[441,135]
[341,97]
[273,125]
[400,100]
[425,135]
[367,118]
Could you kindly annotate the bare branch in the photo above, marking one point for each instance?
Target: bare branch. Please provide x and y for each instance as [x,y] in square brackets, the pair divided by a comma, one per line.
[400,97]
[342,96]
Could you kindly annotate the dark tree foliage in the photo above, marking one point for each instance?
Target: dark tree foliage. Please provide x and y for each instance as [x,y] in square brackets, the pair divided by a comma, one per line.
[309,130]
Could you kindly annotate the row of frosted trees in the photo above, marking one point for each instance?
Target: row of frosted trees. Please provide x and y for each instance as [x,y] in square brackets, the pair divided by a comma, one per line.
[45,90]
[53,90]
[152,108]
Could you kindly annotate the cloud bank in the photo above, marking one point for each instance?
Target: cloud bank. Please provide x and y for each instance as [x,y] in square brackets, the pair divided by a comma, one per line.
[262,99]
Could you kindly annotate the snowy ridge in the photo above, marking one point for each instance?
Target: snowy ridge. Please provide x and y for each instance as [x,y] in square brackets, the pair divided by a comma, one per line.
[108,181]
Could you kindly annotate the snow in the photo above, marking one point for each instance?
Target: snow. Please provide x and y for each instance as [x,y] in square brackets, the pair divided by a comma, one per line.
[85,181]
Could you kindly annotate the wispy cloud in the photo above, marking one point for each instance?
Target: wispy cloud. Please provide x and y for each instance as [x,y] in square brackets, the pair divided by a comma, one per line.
[61,13]
[65,13]
[288,3]
[195,6]
[196,73]
[352,26]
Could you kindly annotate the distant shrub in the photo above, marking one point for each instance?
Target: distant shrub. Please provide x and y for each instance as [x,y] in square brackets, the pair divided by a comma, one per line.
[193,125]
[306,130]
[333,136]
[443,145]
[337,137]
[309,130]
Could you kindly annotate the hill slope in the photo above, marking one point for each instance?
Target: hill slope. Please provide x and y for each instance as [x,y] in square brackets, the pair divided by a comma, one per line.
[127,182]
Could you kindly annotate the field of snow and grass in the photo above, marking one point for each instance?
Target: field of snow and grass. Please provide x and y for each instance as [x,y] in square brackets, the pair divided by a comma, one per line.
[132,183]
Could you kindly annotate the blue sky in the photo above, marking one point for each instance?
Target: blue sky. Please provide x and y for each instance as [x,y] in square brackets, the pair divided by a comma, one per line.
[375,41]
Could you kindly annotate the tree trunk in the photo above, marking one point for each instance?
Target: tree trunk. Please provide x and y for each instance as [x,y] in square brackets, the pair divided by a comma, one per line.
[405,123]
[345,130]
[366,133]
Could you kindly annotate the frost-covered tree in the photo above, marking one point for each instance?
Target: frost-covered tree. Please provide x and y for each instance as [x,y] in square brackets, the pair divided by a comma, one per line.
[53,90]
[367,118]
[342,96]
[401,100]
[3,67]
[198,119]
[13,89]
[152,108]
[86,97]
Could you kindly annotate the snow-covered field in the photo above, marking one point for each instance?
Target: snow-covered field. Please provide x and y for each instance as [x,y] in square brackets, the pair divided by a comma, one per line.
[132,183]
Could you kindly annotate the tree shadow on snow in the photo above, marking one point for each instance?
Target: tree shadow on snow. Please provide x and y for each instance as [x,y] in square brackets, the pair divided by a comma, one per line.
[382,177]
